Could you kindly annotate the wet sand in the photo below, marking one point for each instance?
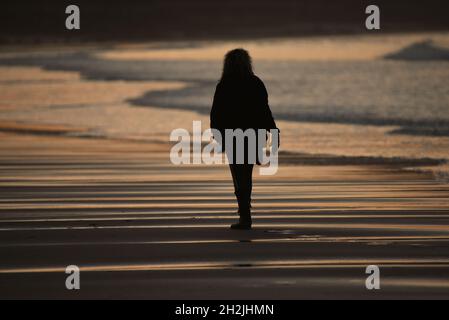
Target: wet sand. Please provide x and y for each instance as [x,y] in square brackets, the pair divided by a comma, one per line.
[139,227]
[85,179]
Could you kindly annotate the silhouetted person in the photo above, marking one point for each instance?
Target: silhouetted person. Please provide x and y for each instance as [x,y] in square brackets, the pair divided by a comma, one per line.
[240,102]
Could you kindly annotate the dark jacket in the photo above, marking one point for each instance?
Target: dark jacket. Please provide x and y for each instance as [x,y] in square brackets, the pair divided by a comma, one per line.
[241,104]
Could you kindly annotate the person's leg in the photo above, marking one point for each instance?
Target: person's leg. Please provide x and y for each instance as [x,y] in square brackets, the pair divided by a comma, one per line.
[250,182]
[242,174]
[244,179]
[246,182]
[232,168]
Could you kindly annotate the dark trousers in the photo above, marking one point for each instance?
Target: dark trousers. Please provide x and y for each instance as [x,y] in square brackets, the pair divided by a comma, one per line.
[242,176]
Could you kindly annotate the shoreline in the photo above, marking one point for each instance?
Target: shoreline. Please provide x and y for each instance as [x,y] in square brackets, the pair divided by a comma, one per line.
[286,157]
[81,78]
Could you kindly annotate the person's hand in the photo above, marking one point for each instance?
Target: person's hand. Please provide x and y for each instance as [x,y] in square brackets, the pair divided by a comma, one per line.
[270,139]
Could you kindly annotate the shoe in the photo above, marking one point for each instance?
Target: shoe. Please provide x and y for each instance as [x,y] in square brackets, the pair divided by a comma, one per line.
[245,221]
[241,226]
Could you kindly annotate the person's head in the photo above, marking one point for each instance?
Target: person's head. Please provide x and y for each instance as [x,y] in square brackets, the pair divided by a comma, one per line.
[237,64]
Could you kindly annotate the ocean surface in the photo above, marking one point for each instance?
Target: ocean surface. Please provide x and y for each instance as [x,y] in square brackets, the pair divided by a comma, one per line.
[383,97]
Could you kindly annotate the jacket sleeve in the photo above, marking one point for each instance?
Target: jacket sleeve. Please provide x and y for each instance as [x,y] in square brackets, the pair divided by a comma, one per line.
[269,122]
[216,106]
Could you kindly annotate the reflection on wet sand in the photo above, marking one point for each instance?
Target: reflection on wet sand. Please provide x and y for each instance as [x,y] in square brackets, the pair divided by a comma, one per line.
[119,210]
[291,264]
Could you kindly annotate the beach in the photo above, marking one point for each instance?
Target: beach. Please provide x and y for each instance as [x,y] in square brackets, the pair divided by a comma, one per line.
[86,177]
[138,227]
